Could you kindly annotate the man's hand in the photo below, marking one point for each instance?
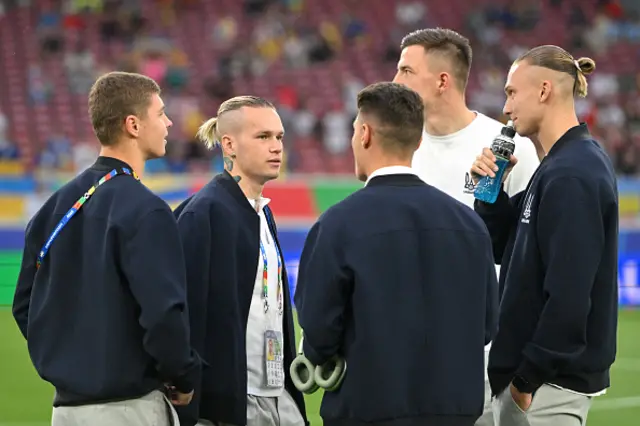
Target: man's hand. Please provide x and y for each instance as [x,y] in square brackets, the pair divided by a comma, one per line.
[485,165]
[179,398]
[523,400]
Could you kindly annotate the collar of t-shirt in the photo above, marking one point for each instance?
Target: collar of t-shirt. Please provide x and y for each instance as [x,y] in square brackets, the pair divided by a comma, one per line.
[391,170]
[259,203]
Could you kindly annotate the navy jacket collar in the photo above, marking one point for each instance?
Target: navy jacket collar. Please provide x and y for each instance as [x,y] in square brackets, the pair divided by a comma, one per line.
[109,163]
[396,180]
[579,132]
[225,180]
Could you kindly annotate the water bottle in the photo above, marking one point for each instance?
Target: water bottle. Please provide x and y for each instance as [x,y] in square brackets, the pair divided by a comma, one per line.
[488,188]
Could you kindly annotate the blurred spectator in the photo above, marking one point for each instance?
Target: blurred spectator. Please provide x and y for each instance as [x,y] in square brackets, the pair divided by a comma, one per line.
[304,122]
[409,14]
[154,65]
[4,127]
[80,67]
[49,30]
[351,86]
[84,155]
[225,32]
[8,151]
[58,154]
[336,135]
[40,87]
[628,160]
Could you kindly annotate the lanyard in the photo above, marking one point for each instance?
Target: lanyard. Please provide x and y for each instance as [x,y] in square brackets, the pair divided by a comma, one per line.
[265,275]
[78,204]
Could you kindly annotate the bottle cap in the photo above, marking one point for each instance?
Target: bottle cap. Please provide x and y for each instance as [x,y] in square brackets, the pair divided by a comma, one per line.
[508,130]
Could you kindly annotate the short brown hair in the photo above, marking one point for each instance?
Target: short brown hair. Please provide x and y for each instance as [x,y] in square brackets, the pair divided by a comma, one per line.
[398,110]
[208,132]
[558,59]
[448,43]
[113,97]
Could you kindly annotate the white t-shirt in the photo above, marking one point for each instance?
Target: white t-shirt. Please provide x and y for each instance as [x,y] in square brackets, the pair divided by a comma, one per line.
[259,322]
[444,161]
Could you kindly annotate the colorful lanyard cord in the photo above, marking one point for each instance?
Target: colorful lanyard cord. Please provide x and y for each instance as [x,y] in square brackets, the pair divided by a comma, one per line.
[73,210]
[265,274]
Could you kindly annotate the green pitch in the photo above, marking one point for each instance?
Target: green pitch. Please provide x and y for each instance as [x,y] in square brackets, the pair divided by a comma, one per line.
[25,400]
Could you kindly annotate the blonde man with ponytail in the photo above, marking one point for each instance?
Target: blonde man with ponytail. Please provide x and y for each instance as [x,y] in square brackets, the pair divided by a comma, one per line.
[557,244]
[239,302]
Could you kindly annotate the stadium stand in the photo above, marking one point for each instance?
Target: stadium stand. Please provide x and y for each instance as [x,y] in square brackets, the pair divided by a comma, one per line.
[310,57]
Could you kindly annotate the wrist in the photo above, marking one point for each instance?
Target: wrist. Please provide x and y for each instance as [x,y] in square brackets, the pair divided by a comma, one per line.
[523,385]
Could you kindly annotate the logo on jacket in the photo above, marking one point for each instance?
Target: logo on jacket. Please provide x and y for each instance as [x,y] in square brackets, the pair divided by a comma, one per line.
[526,214]
[469,186]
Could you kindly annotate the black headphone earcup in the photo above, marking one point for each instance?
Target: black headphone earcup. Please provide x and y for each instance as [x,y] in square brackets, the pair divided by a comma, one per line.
[330,375]
[301,372]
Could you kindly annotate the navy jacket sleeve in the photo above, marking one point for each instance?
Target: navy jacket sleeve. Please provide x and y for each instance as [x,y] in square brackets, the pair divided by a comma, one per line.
[491,319]
[153,263]
[500,218]
[322,293]
[195,234]
[571,240]
[22,296]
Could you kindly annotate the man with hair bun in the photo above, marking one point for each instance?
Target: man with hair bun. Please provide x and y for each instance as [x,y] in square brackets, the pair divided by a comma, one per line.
[237,289]
[436,62]
[557,244]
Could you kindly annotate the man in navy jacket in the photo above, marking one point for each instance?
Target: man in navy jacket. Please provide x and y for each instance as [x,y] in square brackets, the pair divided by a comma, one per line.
[399,280]
[101,296]
[557,242]
[239,303]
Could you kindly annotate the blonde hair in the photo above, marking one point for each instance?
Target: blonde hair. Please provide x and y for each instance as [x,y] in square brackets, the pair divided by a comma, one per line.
[558,59]
[208,132]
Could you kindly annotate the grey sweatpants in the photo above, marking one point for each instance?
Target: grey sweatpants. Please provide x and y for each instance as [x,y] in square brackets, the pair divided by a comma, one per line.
[264,411]
[486,419]
[550,407]
[152,409]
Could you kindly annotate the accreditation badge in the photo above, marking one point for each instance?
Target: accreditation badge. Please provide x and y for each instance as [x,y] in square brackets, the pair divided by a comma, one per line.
[274,361]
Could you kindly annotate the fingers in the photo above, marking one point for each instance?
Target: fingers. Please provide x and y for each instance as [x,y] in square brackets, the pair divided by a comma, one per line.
[181,399]
[180,402]
[178,398]
[486,152]
[484,165]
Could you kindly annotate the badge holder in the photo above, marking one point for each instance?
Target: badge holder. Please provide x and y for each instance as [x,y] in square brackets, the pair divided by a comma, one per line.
[330,375]
[302,372]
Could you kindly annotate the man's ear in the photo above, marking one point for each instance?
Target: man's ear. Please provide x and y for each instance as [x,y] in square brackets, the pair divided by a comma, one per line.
[545,91]
[228,146]
[444,81]
[367,132]
[132,125]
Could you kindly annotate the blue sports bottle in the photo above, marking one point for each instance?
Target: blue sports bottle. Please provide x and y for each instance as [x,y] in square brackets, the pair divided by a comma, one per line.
[488,188]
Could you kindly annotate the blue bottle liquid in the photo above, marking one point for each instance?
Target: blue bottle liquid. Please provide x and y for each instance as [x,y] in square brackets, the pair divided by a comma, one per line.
[488,188]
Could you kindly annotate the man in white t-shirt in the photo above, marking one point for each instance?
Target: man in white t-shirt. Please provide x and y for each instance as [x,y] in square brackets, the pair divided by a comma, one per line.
[435,62]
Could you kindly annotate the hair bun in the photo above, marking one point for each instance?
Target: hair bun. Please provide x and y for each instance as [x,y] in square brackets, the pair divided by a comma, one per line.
[586,65]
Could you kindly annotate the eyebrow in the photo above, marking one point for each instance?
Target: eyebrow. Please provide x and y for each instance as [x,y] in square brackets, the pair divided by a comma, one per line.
[404,67]
[270,132]
[162,109]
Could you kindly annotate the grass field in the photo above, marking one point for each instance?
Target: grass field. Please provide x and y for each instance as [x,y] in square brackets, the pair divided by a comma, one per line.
[25,400]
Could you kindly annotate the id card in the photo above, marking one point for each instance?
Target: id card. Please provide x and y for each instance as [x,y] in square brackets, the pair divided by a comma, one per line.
[274,363]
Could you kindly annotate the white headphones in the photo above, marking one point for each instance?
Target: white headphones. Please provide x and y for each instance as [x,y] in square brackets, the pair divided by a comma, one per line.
[308,378]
